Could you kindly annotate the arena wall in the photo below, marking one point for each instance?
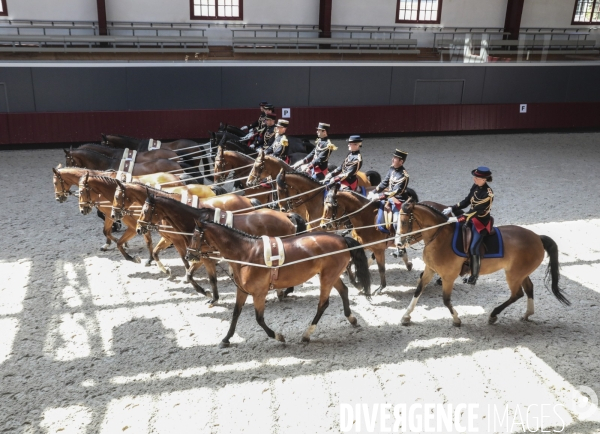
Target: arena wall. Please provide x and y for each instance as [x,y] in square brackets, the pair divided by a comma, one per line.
[74,103]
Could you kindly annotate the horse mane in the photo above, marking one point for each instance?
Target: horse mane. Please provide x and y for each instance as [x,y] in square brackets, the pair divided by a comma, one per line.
[96,153]
[237,231]
[239,153]
[303,175]
[106,179]
[122,136]
[154,190]
[432,208]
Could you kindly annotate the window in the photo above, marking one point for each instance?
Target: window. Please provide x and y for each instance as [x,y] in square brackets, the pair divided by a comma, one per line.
[586,12]
[419,11]
[216,9]
[3,10]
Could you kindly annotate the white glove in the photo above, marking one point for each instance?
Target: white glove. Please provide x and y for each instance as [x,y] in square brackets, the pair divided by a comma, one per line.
[244,128]
[372,195]
[251,146]
[297,164]
[447,211]
[452,219]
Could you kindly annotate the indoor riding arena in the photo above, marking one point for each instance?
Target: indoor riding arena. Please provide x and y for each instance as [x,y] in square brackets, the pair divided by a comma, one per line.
[184,252]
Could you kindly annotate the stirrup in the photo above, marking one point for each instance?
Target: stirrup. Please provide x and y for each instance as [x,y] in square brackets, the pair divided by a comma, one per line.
[471,280]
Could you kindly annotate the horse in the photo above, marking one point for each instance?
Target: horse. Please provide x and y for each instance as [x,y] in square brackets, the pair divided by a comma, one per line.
[296,144]
[361,212]
[94,190]
[189,150]
[269,166]
[93,160]
[323,254]
[141,156]
[181,218]
[65,177]
[523,254]
[307,196]
[227,162]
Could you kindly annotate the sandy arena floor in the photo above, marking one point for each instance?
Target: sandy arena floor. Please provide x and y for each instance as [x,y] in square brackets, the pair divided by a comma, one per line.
[90,343]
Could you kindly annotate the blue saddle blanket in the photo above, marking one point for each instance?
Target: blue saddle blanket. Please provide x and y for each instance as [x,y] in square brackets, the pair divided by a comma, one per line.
[494,246]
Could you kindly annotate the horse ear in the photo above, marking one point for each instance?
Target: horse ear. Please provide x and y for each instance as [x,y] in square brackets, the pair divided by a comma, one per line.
[71,148]
[87,175]
[66,152]
[59,166]
[55,171]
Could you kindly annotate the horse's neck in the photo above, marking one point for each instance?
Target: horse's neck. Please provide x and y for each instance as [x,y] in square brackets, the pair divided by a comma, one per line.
[179,215]
[352,203]
[96,158]
[230,244]
[278,164]
[103,188]
[427,218]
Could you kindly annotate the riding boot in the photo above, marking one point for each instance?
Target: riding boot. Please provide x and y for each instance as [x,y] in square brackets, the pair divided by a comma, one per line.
[475,266]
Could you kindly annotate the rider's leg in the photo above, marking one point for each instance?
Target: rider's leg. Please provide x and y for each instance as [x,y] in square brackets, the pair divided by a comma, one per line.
[475,257]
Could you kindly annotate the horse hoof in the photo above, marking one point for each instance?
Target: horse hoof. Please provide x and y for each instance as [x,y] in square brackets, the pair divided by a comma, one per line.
[352,319]
[492,319]
[409,266]
[148,263]
[279,337]
[439,281]
[104,248]
[224,344]
[405,320]
[168,270]
[456,323]
[137,260]
[305,339]
[525,318]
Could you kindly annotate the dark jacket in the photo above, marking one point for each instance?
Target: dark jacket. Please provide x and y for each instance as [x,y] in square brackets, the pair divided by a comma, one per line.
[396,182]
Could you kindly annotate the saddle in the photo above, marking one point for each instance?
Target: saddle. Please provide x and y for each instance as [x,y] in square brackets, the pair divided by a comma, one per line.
[153,145]
[467,235]
[189,200]
[125,171]
[223,217]
[274,256]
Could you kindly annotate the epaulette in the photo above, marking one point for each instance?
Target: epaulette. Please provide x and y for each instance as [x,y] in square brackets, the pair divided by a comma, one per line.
[405,173]
[331,145]
[284,140]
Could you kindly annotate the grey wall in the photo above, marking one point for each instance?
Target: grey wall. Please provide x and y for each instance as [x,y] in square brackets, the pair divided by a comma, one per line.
[73,89]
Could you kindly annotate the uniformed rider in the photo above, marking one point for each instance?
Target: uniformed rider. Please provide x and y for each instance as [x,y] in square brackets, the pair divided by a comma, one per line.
[346,173]
[480,199]
[267,136]
[280,147]
[315,163]
[396,182]
[260,123]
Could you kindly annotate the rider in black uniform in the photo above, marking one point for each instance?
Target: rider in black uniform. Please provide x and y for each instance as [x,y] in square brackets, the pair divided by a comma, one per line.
[267,136]
[316,162]
[280,147]
[480,199]
[346,173]
[258,124]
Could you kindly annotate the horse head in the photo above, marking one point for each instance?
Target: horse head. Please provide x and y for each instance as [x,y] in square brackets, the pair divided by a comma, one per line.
[220,165]
[257,169]
[70,159]
[104,141]
[118,206]
[60,192]
[144,223]
[194,248]
[85,195]
[330,207]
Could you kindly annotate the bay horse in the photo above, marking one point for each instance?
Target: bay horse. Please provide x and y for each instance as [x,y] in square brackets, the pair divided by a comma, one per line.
[93,160]
[140,157]
[181,217]
[342,205]
[189,150]
[96,191]
[65,177]
[228,162]
[268,166]
[523,254]
[308,205]
[256,281]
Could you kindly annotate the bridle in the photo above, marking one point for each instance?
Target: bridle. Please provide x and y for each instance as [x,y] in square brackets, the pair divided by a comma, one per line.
[220,165]
[290,204]
[194,249]
[144,223]
[62,195]
[119,210]
[257,170]
[85,196]
[332,203]
[70,160]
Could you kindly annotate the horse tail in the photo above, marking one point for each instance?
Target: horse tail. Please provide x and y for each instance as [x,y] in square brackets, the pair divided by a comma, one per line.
[298,221]
[362,265]
[553,272]
[218,190]
[373,177]
[413,194]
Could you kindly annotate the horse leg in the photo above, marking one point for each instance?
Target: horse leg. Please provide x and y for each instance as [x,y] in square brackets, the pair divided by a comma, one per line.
[189,274]
[447,286]
[404,255]
[259,309]
[162,244]
[528,288]
[240,300]
[283,293]
[424,279]
[129,234]
[211,270]
[323,303]
[380,258]
[342,289]
[107,231]
[148,239]
[516,292]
